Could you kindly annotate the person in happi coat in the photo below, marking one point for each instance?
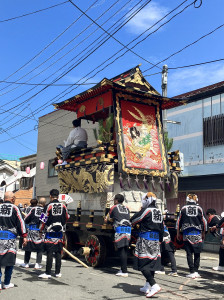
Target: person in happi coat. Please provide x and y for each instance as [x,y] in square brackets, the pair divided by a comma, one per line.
[168,249]
[192,223]
[120,215]
[215,225]
[53,224]
[11,225]
[147,250]
[35,242]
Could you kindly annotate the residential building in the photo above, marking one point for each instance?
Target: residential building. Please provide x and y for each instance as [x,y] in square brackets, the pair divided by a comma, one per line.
[7,169]
[15,177]
[27,180]
[200,137]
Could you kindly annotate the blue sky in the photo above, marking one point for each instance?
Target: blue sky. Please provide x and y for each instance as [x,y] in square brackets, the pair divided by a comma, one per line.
[61,42]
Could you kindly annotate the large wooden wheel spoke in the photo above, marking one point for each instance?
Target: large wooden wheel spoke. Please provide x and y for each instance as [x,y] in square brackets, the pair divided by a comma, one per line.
[96,256]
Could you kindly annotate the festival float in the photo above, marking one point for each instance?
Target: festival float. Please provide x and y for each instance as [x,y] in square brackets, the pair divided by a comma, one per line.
[129,158]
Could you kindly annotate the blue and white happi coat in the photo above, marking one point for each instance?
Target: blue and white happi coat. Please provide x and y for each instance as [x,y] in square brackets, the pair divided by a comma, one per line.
[122,225]
[11,225]
[147,251]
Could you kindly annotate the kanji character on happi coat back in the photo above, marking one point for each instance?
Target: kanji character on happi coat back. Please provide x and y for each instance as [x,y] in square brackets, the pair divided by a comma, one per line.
[192,223]
[11,225]
[147,251]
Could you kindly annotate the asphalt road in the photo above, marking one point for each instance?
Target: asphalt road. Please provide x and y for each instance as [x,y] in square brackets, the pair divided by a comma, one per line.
[78,282]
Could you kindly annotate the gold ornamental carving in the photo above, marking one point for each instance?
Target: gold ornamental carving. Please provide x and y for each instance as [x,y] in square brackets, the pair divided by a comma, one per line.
[88,179]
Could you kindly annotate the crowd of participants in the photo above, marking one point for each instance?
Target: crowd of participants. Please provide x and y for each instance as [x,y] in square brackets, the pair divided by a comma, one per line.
[41,228]
[154,240]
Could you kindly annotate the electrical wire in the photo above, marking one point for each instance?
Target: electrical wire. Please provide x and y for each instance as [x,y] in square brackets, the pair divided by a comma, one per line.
[80,61]
[92,50]
[62,57]
[189,66]
[178,6]
[153,74]
[157,22]
[48,45]
[112,36]
[187,46]
[136,43]
[184,1]
[34,12]
[40,84]
[15,139]
[58,50]
[198,64]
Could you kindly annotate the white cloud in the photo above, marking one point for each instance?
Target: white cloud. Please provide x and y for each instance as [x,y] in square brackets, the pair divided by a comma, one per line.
[186,80]
[147,17]
[99,4]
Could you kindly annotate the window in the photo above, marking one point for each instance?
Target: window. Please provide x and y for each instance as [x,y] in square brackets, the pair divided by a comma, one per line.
[213,130]
[51,168]
[26,183]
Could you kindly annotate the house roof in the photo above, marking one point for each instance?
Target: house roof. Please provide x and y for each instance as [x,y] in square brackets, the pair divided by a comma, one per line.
[11,163]
[131,81]
[206,91]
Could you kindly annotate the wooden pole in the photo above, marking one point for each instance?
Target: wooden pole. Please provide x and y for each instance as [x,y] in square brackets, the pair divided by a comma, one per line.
[75,258]
[72,256]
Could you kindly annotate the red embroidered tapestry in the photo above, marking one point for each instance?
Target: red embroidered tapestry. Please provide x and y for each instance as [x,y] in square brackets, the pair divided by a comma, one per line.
[141,140]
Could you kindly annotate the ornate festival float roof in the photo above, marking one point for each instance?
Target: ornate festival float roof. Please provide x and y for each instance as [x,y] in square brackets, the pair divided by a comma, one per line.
[128,110]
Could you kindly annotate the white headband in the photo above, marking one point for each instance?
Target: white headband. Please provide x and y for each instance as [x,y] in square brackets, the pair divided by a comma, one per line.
[192,200]
[146,201]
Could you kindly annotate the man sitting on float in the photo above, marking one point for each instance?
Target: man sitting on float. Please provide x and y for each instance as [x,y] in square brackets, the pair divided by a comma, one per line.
[77,139]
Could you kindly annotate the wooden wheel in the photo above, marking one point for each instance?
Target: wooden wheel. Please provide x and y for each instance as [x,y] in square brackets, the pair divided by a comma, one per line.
[178,244]
[97,255]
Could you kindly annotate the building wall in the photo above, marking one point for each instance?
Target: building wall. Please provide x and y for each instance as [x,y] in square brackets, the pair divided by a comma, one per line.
[203,166]
[188,136]
[7,171]
[23,196]
[53,129]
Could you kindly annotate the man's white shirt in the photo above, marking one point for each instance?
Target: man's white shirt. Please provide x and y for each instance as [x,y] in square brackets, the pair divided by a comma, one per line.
[77,135]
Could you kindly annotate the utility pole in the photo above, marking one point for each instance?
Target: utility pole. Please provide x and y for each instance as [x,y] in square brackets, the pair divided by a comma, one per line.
[164,94]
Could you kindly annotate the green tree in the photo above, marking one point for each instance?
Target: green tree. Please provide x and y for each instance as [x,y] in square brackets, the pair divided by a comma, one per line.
[104,133]
[167,141]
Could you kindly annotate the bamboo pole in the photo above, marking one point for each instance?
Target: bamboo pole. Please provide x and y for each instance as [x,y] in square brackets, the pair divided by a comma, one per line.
[75,258]
[72,256]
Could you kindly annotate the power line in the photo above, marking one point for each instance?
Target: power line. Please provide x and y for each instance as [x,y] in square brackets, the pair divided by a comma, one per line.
[58,50]
[153,74]
[79,62]
[43,84]
[119,51]
[199,4]
[52,42]
[94,83]
[188,66]
[109,33]
[163,25]
[60,58]
[45,123]
[34,12]
[198,64]
[15,139]
[135,44]
[187,46]
[60,68]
